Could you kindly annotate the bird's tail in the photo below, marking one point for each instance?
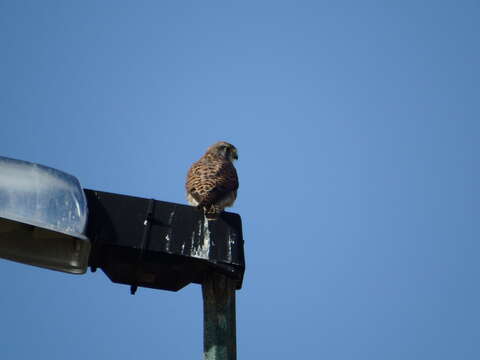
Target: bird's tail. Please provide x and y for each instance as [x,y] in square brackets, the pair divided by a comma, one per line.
[211,212]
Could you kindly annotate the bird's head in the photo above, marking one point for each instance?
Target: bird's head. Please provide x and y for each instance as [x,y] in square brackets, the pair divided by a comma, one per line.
[224,150]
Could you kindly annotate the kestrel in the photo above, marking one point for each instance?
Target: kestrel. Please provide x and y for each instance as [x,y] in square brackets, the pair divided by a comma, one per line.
[212,181]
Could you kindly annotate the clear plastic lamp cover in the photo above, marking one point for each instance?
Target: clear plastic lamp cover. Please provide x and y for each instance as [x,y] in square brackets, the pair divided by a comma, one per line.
[43,215]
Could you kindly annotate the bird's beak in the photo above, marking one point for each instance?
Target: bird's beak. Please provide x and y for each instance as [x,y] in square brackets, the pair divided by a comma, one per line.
[235,155]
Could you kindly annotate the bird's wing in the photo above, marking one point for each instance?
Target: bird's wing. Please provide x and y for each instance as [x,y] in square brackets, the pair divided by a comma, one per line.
[209,181]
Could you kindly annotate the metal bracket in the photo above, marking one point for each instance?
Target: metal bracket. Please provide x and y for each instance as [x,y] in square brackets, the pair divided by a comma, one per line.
[147,223]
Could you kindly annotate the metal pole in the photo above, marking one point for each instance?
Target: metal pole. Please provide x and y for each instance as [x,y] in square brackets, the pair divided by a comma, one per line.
[219,325]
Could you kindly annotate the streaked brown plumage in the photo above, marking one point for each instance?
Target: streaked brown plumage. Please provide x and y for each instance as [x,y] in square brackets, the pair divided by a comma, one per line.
[212,181]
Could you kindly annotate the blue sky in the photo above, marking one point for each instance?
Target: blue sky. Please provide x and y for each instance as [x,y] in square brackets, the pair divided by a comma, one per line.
[357,125]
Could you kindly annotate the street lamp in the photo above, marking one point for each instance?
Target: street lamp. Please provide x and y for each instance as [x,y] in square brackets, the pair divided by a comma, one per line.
[48,220]
[43,216]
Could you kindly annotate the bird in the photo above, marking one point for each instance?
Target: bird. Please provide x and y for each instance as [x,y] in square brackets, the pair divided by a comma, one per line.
[212,181]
